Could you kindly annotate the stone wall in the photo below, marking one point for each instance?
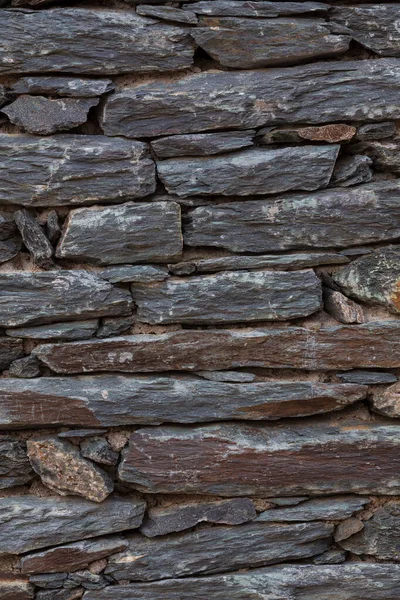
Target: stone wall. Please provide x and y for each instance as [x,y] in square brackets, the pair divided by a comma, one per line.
[199,300]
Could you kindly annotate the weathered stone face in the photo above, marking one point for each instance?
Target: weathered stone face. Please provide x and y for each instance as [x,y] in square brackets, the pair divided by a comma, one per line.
[92,41]
[15,468]
[332,508]
[15,588]
[240,8]
[63,85]
[202,144]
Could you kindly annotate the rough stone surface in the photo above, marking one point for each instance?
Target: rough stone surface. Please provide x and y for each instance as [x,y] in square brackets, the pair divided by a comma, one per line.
[341,308]
[90,41]
[134,273]
[62,469]
[376,131]
[99,450]
[217,459]
[63,85]
[168,13]
[324,509]
[240,43]
[257,171]
[53,228]
[70,169]
[113,326]
[15,588]
[15,468]
[75,330]
[35,298]
[10,350]
[333,133]
[202,144]
[240,8]
[43,116]
[364,90]
[28,367]
[145,231]
[371,345]
[387,402]
[112,400]
[324,219]
[71,557]
[229,297]
[374,278]
[351,170]
[217,549]
[42,522]
[161,521]
[34,238]
[347,528]
[367,377]
[385,155]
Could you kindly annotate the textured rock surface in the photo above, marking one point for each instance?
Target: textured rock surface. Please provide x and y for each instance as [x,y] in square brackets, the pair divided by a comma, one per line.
[364,90]
[229,297]
[371,345]
[15,588]
[240,8]
[134,274]
[34,238]
[202,144]
[324,509]
[367,377]
[10,350]
[341,308]
[217,459]
[34,298]
[62,468]
[351,170]
[145,232]
[15,468]
[323,220]
[91,42]
[258,171]
[160,521]
[218,549]
[121,400]
[387,402]
[168,13]
[63,85]
[29,366]
[75,330]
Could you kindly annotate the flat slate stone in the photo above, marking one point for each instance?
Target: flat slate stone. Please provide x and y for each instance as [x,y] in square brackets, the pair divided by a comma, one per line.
[134,273]
[332,218]
[62,85]
[99,450]
[15,588]
[32,298]
[75,330]
[367,377]
[178,517]
[229,297]
[61,467]
[15,468]
[371,345]
[374,278]
[376,131]
[227,100]
[357,580]
[228,376]
[146,232]
[318,509]
[73,169]
[202,144]
[167,13]
[374,27]
[240,8]
[112,400]
[217,549]
[241,43]
[90,41]
[256,460]
[256,171]
[71,557]
[380,536]
[45,522]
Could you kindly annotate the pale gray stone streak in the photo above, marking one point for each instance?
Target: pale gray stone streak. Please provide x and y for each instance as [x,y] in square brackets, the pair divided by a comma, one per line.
[90,41]
[63,85]
[241,8]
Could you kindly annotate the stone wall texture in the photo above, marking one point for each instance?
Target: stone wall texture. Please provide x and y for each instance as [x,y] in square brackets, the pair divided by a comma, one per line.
[199,300]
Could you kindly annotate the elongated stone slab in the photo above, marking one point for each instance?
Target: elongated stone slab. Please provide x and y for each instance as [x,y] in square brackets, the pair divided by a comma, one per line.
[255,460]
[367,377]
[160,521]
[35,298]
[374,278]
[75,330]
[324,509]
[63,85]
[134,274]
[15,588]
[241,43]
[328,218]
[167,13]
[87,41]
[45,522]
[210,101]
[229,297]
[375,27]
[357,580]
[112,400]
[15,468]
[380,536]
[371,345]
[202,144]
[256,171]
[71,557]
[73,169]
[217,549]
[240,8]
[146,232]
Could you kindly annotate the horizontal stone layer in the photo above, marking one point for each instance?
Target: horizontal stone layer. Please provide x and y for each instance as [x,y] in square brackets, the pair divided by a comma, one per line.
[217,549]
[146,232]
[356,580]
[255,171]
[229,297]
[73,330]
[226,100]
[90,41]
[112,400]
[371,345]
[15,588]
[333,218]
[42,522]
[73,169]
[202,144]
[256,460]
[324,509]
[241,8]
[62,85]
[38,297]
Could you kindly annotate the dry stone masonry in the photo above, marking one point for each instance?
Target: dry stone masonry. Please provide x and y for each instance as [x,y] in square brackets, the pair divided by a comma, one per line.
[199,300]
